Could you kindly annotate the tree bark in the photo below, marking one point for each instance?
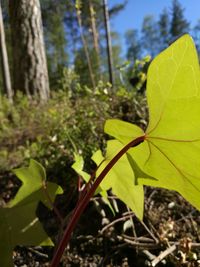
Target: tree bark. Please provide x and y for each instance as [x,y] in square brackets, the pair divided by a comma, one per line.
[4,60]
[95,33]
[109,43]
[30,73]
[85,46]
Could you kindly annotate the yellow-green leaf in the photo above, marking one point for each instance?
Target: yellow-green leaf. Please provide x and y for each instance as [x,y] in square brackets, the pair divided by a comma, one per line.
[121,178]
[171,151]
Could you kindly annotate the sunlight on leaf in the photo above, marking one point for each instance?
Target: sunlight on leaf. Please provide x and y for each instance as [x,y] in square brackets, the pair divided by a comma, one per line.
[121,178]
[171,151]
[78,166]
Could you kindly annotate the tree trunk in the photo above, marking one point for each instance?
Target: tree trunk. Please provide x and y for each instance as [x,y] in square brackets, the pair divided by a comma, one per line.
[4,60]
[108,40]
[95,34]
[85,46]
[29,59]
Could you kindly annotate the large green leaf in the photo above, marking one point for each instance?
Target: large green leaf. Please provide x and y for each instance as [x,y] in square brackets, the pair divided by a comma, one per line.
[120,178]
[18,222]
[171,150]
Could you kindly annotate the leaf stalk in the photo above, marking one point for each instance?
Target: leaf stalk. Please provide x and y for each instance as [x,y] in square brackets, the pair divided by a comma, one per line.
[81,205]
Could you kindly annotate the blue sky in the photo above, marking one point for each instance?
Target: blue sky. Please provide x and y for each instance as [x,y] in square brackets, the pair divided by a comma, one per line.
[132,16]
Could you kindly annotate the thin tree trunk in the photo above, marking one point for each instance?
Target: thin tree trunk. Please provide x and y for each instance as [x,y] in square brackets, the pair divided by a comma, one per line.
[94,34]
[73,36]
[109,43]
[29,58]
[4,61]
[78,13]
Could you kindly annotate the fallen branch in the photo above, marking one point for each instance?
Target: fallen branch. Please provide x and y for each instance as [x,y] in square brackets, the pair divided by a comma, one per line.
[163,255]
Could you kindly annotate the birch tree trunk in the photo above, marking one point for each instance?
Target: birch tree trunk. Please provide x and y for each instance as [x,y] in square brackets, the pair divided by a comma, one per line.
[30,73]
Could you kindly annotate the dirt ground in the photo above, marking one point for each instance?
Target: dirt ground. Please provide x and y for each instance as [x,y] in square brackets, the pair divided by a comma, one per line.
[169,234]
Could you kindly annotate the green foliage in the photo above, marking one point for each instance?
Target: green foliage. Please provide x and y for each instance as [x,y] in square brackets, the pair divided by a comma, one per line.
[27,130]
[69,82]
[18,221]
[164,29]
[150,35]
[167,153]
[167,157]
[137,74]
[179,25]
[170,137]
[158,34]
[122,185]
[78,166]
[171,149]
[34,185]
[47,132]
[53,15]
[134,46]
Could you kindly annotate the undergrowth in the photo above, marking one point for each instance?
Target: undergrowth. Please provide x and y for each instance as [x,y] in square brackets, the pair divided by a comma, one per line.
[51,133]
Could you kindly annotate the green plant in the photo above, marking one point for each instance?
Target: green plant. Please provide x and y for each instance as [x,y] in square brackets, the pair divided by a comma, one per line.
[19,223]
[165,155]
[158,156]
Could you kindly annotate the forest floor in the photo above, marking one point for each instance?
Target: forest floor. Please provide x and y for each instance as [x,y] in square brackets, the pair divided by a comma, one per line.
[168,236]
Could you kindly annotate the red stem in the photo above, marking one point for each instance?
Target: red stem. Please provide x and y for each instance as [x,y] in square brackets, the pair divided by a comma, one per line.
[86,198]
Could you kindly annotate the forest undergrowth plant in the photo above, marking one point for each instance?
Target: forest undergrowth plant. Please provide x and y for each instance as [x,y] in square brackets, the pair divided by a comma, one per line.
[19,223]
[166,155]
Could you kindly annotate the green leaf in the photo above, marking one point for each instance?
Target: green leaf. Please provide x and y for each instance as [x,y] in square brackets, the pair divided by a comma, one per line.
[136,169]
[33,186]
[18,221]
[121,178]
[123,131]
[78,167]
[171,151]
[20,226]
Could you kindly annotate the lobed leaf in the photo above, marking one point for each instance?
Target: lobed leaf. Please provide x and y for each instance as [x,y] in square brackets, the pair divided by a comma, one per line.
[78,166]
[18,221]
[171,150]
[121,178]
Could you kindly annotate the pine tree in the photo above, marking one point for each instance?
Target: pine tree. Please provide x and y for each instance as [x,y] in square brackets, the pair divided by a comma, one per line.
[53,14]
[133,45]
[88,32]
[164,29]
[179,25]
[150,36]
[196,36]
[29,59]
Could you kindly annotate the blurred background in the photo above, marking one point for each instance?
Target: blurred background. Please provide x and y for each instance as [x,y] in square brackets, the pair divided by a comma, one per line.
[66,67]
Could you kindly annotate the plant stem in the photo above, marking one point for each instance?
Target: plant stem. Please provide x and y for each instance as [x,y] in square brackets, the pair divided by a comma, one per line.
[85,200]
[56,211]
